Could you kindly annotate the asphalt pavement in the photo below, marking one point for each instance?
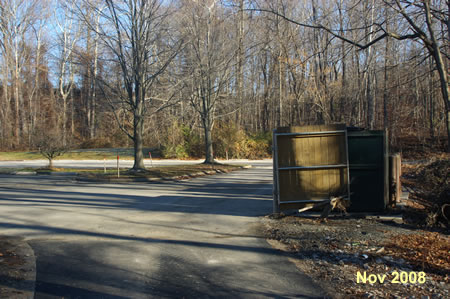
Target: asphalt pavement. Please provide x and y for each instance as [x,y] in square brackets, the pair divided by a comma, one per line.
[198,238]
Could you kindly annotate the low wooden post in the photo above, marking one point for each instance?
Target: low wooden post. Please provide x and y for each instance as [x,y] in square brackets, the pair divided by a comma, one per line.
[276,206]
[395,172]
[118,169]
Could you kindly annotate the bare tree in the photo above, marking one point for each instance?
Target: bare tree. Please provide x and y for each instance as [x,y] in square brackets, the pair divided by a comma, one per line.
[420,16]
[376,63]
[34,91]
[240,62]
[136,34]
[88,57]
[50,144]
[209,61]
[67,37]
[16,18]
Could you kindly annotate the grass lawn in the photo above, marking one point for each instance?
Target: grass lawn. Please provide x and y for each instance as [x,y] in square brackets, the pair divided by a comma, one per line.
[152,172]
[158,172]
[80,154]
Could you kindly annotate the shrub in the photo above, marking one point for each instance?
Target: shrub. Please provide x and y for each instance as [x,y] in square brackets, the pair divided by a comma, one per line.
[182,142]
[228,142]
[175,152]
[51,144]
[193,143]
[225,137]
[234,143]
[98,142]
[252,148]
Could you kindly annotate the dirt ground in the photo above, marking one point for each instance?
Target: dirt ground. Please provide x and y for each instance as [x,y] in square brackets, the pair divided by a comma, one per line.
[333,253]
[8,259]
[404,253]
[16,268]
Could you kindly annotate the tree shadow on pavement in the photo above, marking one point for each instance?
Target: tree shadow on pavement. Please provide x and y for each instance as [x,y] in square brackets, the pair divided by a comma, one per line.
[236,199]
[85,275]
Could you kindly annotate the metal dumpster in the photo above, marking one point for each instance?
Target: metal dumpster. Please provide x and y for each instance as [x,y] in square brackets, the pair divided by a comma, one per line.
[313,163]
[369,166]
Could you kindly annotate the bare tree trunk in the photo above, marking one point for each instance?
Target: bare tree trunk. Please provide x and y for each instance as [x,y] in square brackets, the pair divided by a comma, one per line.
[387,54]
[138,141]
[16,97]
[209,154]
[64,120]
[440,65]
[6,106]
[91,102]
[240,64]
[72,113]
[431,100]
[343,96]
[88,85]
[35,95]
[94,86]
[369,67]
[66,65]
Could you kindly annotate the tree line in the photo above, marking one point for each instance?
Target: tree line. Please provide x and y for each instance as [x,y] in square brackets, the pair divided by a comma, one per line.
[121,73]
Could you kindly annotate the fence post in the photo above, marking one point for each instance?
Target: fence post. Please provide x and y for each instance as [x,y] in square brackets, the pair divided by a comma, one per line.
[151,160]
[118,171]
[395,171]
[276,206]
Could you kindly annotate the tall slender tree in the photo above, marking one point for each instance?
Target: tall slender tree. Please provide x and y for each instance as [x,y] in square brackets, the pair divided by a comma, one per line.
[209,60]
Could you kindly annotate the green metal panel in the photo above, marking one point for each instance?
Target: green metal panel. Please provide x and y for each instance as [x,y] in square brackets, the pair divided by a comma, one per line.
[368,158]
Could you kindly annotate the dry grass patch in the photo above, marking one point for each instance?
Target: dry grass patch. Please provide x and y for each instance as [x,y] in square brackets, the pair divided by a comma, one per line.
[179,171]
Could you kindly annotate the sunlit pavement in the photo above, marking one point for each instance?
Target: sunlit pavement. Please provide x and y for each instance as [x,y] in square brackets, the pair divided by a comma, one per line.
[196,238]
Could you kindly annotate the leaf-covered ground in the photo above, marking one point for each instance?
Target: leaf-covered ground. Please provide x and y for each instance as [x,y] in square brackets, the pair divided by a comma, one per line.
[429,251]
[333,254]
[412,242]
[429,186]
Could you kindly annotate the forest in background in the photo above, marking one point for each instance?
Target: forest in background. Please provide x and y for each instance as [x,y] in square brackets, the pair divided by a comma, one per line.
[197,77]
